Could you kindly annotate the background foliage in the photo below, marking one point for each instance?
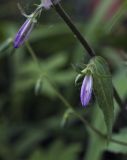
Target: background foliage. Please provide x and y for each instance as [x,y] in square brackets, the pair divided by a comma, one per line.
[30,121]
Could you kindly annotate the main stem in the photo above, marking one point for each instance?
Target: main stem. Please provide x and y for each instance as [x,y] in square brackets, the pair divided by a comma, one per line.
[73,28]
[83,41]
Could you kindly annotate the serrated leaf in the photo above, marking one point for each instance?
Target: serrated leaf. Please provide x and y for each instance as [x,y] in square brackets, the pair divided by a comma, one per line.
[103,90]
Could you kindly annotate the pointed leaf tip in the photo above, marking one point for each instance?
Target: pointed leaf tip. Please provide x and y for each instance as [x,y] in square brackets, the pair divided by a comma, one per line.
[103,90]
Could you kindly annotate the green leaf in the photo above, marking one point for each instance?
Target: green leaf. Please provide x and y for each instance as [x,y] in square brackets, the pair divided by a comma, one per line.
[95,139]
[117,148]
[57,150]
[66,116]
[38,86]
[28,75]
[103,90]
[5,46]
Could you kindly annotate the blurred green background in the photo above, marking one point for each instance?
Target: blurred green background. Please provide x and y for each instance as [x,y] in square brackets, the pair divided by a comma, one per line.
[31,119]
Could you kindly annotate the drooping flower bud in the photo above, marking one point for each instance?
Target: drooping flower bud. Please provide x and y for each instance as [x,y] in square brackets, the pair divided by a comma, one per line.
[86,90]
[48,3]
[24,32]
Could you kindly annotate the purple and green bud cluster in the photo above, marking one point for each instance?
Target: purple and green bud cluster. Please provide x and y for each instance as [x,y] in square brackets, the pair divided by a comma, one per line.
[24,33]
[26,29]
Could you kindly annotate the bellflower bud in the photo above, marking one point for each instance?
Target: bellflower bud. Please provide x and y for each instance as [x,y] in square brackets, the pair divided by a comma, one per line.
[48,3]
[86,90]
[24,32]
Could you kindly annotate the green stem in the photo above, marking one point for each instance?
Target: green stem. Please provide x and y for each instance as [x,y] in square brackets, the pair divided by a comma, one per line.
[67,104]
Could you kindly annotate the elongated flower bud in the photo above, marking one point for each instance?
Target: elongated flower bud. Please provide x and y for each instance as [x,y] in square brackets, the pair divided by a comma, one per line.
[86,90]
[24,32]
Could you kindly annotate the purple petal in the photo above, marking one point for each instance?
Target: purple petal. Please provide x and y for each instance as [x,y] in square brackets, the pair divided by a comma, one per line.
[48,3]
[86,90]
[23,33]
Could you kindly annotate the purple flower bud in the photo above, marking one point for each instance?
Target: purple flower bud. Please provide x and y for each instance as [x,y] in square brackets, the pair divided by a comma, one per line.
[48,3]
[23,33]
[86,90]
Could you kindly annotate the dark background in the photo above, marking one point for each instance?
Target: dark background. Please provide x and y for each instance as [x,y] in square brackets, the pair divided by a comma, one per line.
[31,124]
